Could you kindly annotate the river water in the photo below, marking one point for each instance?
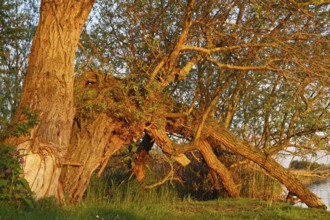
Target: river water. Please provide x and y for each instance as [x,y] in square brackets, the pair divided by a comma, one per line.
[322,190]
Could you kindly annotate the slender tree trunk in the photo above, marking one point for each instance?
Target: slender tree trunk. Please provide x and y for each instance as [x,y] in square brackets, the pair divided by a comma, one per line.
[48,91]
[268,163]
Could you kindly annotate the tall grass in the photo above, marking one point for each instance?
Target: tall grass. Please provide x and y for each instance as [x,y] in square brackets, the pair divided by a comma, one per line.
[256,184]
[108,198]
[130,195]
[116,196]
[109,190]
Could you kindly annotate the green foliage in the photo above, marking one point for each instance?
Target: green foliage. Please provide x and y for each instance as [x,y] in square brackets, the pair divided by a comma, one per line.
[127,99]
[23,128]
[13,188]
[47,203]
[18,21]
[31,119]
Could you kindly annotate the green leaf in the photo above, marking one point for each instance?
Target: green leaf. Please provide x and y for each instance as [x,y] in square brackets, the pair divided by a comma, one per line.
[28,202]
[24,183]
[3,183]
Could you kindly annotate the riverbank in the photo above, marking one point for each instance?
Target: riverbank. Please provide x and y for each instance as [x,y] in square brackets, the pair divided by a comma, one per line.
[186,209]
[308,178]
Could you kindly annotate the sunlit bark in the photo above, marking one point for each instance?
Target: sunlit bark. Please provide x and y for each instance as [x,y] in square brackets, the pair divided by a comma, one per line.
[268,163]
[48,92]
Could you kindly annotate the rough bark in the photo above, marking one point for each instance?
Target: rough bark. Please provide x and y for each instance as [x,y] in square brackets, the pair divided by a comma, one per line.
[48,91]
[97,132]
[91,147]
[213,162]
[160,137]
[223,136]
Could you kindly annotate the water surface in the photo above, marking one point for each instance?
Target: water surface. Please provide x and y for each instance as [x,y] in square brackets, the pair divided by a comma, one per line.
[322,190]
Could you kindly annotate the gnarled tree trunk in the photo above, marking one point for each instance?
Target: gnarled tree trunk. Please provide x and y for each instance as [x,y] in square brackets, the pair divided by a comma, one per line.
[48,91]
[91,146]
[96,135]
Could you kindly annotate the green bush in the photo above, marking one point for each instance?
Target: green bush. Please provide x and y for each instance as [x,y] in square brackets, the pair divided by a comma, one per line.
[304,165]
[14,189]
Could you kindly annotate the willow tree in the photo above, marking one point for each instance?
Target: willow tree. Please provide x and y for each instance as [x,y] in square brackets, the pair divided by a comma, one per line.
[48,92]
[16,33]
[208,61]
[167,66]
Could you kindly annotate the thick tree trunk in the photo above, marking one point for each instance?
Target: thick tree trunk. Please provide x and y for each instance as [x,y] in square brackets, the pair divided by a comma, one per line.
[48,91]
[213,162]
[268,163]
[91,146]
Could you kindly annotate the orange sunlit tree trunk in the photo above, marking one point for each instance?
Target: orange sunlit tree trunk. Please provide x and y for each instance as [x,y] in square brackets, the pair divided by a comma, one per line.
[48,92]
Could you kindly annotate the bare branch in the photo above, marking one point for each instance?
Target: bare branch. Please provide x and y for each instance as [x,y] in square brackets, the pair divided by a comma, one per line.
[314,3]
[244,68]
[297,5]
[229,48]
[170,61]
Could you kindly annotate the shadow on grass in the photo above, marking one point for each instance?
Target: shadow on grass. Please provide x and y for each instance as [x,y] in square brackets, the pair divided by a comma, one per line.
[216,209]
[65,213]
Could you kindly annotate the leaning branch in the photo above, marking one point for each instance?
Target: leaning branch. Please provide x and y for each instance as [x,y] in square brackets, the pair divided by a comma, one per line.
[183,72]
[170,147]
[222,135]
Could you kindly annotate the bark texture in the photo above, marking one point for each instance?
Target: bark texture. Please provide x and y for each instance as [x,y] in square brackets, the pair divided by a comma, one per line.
[48,91]
[91,147]
[61,159]
[214,163]
[223,136]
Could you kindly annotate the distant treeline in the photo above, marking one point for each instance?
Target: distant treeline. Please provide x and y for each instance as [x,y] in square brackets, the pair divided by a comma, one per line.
[302,165]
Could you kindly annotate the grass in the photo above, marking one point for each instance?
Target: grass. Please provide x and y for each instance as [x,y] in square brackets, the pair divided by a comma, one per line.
[130,202]
[218,209]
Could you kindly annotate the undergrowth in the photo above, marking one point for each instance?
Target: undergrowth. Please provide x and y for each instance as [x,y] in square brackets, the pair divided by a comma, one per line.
[107,198]
[14,189]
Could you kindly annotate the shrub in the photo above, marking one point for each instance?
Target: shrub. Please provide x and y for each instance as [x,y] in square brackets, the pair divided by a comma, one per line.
[303,165]
[14,189]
